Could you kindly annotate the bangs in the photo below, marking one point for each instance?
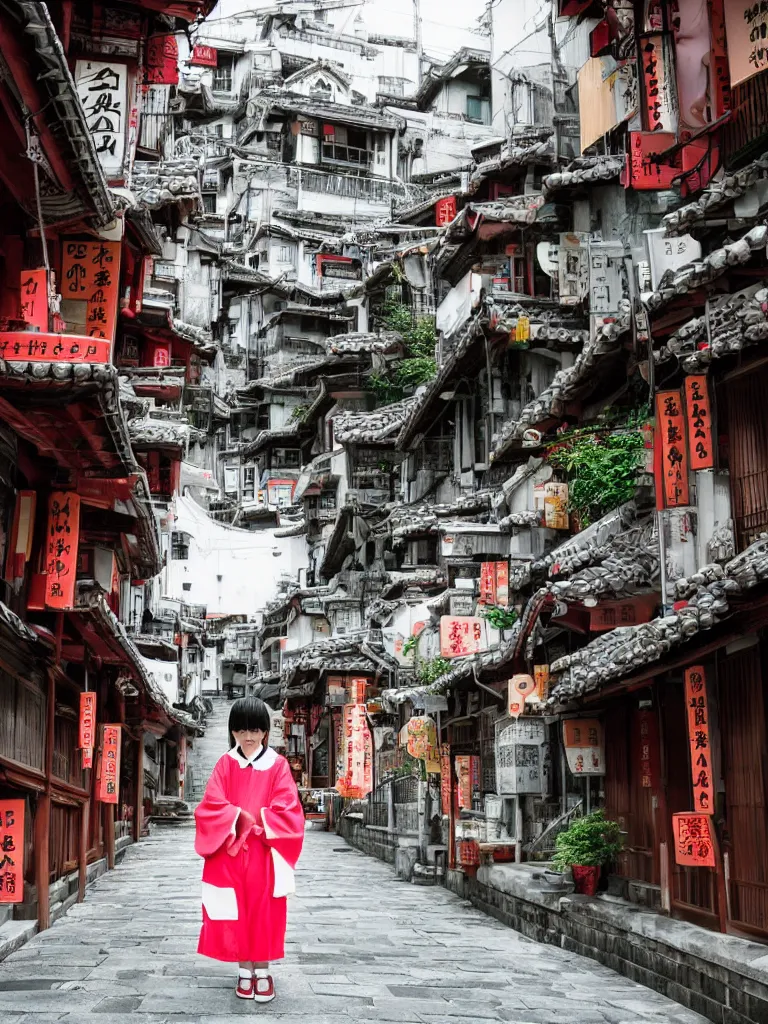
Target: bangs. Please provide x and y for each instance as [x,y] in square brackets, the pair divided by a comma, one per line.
[248,713]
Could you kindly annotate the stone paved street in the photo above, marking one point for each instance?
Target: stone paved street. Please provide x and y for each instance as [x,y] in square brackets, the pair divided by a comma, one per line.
[362,947]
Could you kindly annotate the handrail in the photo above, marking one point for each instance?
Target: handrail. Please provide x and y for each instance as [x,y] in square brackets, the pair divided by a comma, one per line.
[554,827]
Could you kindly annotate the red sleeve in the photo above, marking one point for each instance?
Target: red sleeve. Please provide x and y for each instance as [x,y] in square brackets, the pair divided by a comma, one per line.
[214,815]
[283,819]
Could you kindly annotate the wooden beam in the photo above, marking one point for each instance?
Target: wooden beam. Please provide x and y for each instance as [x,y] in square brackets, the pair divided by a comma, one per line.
[82,851]
[42,829]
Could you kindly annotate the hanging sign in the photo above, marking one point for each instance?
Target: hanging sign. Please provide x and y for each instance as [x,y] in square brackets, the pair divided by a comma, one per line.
[487,583]
[659,105]
[61,543]
[694,840]
[746,25]
[90,279]
[584,746]
[519,689]
[422,742]
[87,731]
[34,347]
[34,298]
[698,739]
[445,211]
[502,584]
[355,780]
[610,614]
[556,506]
[11,851]
[670,423]
[541,678]
[445,779]
[109,765]
[645,171]
[523,329]
[204,56]
[699,416]
[103,92]
[468,779]
[162,66]
[461,635]
[22,532]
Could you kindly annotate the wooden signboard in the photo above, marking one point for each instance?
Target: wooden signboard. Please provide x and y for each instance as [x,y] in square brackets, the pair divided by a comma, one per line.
[698,738]
[109,765]
[61,545]
[90,274]
[87,731]
[670,423]
[694,840]
[699,417]
[11,851]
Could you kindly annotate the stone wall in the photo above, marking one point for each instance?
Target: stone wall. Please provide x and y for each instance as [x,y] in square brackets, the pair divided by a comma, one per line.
[723,977]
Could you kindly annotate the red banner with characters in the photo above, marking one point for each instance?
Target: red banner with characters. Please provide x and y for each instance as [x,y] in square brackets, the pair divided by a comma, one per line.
[446,789]
[694,840]
[699,416]
[61,545]
[11,851]
[697,707]
[109,766]
[87,736]
[461,635]
[162,67]
[357,745]
[90,273]
[670,425]
[487,583]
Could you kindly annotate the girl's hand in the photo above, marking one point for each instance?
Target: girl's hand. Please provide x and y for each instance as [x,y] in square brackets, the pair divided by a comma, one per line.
[239,841]
[245,822]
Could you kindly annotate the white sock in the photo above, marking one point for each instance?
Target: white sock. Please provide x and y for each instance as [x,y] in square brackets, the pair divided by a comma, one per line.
[261,972]
[244,973]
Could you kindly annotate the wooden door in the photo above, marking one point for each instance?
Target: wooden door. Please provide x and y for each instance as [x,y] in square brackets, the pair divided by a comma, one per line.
[745,771]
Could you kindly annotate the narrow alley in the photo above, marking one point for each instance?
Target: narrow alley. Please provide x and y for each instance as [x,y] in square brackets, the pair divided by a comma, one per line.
[362,946]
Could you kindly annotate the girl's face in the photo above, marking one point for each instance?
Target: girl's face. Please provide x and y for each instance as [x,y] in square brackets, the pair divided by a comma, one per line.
[250,741]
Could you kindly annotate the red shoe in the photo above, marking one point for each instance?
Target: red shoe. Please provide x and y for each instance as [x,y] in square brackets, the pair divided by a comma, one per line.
[245,988]
[263,989]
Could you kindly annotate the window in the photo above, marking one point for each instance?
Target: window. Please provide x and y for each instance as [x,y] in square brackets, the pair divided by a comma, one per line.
[179,546]
[186,586]
[478,109]
[209,202]
[289,458]
[230,480]
[222,75]
[249,482]
[392,86]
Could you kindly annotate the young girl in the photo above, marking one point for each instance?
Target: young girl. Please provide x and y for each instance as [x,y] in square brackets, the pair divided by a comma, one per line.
[250,830]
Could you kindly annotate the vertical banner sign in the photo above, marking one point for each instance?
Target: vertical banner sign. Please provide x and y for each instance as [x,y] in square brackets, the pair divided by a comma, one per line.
[11,851]
[109,767]
[694,840]
[446,789]
[445,211]
[162,61]
[90,274]
[541,678]
[674,457]
[61,549]
[502,584]
[103,92]
[698,739]
[584,746]
[467,776]
[34,298]
[356,780]
[87,734]
[488,583]
[422,742]
[461,635]
[660,109]
[22,531]
[699,416]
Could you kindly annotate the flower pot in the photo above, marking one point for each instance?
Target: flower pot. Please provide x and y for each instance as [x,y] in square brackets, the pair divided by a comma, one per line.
[585,878]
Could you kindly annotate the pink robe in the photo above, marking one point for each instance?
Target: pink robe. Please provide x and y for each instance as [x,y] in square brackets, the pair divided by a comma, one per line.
[245,896]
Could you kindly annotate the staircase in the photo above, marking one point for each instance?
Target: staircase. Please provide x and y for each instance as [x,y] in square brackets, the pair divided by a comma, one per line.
[208,749]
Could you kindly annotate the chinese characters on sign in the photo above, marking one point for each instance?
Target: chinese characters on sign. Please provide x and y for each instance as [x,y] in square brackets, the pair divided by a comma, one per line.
[646,734]
[445,778]
[445,210]
[468,779]
[103,93]
[11,851]
[556,506]
[87,736]
[90,274]
[670,424]
[205,56]
[645,169]
[356,778]
[162,61]
[34,298]
[487,583]
[109,767]
[610,614]
[461,635]
[699,416]
[422,742]
[502,584]
[659,108]
[34,347]
[669,253]
[694,840]
[698,738]
[584,747]
[746,25]
[61,543]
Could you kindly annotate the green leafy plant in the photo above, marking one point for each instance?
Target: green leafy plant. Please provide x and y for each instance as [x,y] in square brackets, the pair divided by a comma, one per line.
[601,470]
[418,366]
[431,670]
[410,645]
[499,618]
[298,414]
[593,840]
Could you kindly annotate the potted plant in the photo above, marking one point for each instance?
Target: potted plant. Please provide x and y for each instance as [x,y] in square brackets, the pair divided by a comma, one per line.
[585,846]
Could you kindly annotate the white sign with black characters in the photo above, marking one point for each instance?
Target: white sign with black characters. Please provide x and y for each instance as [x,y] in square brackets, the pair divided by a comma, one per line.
[103,91]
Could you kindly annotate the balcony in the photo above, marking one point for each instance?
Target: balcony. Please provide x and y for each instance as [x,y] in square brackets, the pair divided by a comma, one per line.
[334,152]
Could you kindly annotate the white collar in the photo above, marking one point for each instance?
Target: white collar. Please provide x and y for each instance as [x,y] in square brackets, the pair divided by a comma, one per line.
[258,763]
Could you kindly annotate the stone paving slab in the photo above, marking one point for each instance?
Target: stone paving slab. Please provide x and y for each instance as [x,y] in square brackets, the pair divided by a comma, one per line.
[362,948]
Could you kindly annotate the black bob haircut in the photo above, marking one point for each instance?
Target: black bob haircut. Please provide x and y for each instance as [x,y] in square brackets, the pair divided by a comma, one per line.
[248,713]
